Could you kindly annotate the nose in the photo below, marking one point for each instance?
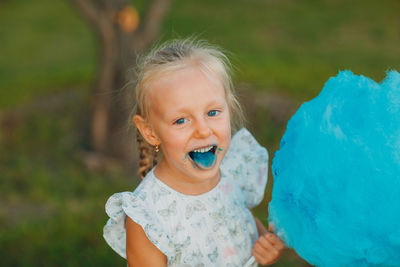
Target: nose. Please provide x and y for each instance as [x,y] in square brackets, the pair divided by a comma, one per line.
[202,129]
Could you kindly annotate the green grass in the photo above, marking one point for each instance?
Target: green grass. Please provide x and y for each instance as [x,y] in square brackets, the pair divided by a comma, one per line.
[46,47]
[278,45]
[295,46]
[52,207]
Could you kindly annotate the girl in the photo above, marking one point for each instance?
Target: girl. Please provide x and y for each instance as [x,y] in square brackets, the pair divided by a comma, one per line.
[192,208]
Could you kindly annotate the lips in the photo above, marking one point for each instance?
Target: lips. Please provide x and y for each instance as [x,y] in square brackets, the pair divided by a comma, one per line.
[203,158]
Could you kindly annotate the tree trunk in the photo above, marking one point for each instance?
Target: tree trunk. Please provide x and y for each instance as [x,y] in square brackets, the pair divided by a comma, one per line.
[120,42]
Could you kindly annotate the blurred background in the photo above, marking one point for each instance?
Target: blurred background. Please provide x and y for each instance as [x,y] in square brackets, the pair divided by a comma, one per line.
[65,146]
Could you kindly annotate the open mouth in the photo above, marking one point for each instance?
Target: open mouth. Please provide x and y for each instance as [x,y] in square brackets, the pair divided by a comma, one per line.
[204,158]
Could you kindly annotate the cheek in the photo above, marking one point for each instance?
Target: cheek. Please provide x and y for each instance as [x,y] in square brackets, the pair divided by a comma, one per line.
[223,126]
[223,131]
[173,145]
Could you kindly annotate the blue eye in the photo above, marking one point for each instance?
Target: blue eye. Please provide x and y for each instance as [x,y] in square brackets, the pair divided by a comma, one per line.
[212,113]
[180,121]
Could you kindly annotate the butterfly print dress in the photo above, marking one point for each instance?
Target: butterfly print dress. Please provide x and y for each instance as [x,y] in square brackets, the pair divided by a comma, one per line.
[212,229]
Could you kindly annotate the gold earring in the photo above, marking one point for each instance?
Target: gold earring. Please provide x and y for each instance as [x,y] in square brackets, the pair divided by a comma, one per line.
[157,148]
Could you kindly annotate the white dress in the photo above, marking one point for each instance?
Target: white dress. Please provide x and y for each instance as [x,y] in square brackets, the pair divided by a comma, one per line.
[212,229]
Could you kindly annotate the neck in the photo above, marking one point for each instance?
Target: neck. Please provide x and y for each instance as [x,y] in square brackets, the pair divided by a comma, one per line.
[185,184]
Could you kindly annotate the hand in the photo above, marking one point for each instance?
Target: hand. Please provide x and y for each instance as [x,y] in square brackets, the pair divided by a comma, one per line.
[268,248]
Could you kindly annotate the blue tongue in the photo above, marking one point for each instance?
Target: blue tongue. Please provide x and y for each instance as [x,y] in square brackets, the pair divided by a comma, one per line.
[204,160]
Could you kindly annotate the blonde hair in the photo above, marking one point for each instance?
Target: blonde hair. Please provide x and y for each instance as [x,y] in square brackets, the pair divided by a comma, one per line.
[170,57]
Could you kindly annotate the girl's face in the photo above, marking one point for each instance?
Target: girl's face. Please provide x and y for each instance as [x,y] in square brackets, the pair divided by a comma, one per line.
[190,117]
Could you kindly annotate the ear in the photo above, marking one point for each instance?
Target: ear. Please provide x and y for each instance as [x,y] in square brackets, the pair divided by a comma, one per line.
[146,130]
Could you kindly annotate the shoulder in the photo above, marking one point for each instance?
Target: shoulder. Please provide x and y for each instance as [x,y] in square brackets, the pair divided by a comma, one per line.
[120,202]
[244,153]
[246,161]
[142,206]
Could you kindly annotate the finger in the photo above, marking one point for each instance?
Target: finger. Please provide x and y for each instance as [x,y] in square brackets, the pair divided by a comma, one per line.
[271,227]
[275,241]
[264,243]
[262,258]
[257,256]
[266,250]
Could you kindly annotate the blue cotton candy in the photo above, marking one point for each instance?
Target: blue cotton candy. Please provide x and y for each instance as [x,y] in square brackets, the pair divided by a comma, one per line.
[336,193]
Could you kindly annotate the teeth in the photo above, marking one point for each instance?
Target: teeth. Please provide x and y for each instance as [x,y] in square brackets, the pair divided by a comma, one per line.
[202,150]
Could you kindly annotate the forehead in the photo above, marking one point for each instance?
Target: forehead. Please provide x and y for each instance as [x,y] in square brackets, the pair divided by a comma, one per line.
[188,88]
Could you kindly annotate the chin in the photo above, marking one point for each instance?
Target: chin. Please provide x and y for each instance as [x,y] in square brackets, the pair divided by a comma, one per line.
[206,173]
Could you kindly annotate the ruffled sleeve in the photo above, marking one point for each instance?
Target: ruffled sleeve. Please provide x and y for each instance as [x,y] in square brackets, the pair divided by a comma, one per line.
[134,205]
[247,163]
